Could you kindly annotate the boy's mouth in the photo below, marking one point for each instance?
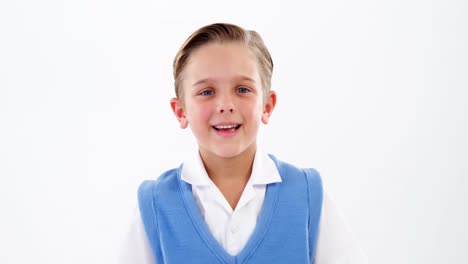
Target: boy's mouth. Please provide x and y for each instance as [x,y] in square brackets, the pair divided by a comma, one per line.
[232,127]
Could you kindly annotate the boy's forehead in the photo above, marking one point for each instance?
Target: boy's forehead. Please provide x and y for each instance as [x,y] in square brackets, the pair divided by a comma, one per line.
[221,63]
[239,78]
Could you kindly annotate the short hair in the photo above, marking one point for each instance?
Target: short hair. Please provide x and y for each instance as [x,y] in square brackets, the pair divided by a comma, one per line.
[220,33]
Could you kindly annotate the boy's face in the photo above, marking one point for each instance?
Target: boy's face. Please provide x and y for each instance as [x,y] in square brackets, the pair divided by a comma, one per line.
[223,99]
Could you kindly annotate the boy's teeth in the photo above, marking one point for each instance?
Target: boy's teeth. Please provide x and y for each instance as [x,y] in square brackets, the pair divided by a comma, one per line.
[225,126]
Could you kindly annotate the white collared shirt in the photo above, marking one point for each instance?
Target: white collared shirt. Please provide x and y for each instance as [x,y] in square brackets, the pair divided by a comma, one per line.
[232,228]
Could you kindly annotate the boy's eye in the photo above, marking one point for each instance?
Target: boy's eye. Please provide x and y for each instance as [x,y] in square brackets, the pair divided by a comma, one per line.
[243,90]
[207,92]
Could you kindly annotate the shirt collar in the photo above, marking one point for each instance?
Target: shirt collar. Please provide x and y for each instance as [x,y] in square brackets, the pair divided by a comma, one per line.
[264,170]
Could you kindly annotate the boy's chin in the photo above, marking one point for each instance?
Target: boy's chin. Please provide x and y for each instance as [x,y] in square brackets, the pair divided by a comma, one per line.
[228,152]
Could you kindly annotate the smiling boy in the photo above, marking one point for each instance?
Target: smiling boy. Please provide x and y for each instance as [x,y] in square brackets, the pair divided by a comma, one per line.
[223,103]
[231,202]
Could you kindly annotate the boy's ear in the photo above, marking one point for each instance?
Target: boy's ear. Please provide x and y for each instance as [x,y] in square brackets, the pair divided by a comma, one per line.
[179,112]
[269,106]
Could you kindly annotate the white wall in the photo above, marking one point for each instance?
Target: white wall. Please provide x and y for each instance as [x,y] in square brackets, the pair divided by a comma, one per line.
[371,93]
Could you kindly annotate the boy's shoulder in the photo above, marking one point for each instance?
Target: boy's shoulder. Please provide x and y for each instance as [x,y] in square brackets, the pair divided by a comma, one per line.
[300,184]
[168,180]
[285,169]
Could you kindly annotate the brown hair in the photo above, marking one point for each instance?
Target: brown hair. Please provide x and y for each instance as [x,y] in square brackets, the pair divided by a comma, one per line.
[223,32]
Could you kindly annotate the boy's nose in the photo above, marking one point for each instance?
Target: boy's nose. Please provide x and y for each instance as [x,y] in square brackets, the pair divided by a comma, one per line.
[226,105]
[230,110]
[226,108]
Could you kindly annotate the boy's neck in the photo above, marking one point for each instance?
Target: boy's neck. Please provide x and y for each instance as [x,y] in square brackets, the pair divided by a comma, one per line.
[231,174]
[234,171]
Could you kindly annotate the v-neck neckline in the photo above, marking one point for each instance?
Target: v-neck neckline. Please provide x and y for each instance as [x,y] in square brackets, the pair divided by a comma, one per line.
[200,225]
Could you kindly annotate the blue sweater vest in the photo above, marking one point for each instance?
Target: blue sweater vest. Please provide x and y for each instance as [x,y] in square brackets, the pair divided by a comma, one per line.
[286,231]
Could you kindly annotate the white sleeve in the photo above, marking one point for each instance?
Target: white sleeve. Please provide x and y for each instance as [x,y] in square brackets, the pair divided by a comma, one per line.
[135,248]
[335,243]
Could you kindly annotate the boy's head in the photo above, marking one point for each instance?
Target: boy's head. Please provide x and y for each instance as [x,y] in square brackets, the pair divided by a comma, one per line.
[222,79]
[224,33]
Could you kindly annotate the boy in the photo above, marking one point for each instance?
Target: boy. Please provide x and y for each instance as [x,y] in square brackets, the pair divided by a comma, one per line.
[232,203]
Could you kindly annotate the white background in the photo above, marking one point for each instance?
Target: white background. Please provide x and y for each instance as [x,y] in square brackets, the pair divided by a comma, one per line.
[374,94]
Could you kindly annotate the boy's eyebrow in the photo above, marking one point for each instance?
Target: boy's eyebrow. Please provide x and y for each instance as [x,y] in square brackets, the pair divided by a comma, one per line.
[240,78]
